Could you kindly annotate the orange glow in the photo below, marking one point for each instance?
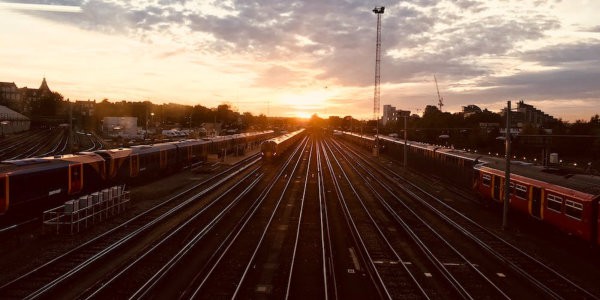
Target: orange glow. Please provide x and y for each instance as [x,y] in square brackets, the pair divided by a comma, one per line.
[302,115]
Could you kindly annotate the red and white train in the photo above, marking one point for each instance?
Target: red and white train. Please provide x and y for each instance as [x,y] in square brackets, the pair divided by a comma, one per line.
[569,202]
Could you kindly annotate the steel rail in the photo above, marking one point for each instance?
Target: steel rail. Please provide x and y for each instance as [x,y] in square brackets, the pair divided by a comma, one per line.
[264,233]
[543,287]
[229,240]
[123,225]
[358,240]
[418,241]
[149,284]
[297,237]
[376,226]
[325,230]
[63,277]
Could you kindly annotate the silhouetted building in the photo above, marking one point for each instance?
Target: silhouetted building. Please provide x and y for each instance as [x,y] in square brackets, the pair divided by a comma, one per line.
[9,95]
[526,114]
[391,114]
[21,99]
[83,111]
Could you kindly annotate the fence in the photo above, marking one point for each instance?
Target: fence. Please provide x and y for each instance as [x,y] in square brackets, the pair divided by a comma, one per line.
[78,214]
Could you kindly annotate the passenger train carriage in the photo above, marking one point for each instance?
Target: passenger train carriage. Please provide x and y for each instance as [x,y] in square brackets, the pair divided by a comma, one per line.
[567,202]
[46,179]
[571,203]
[37,182]
[273,148]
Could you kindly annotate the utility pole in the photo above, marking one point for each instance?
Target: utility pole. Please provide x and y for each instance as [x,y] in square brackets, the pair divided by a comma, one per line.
[405,142]
[506,170]
[378,11]
[70,126]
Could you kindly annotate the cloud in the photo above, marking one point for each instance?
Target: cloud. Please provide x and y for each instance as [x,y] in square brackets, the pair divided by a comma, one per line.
[561,54]
[592,29]
[456,40]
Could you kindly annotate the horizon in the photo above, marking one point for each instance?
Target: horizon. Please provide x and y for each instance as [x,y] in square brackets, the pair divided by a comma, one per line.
[302,59]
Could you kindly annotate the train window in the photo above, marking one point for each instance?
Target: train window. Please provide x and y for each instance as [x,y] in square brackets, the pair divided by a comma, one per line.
[573,209]
[487,180]
[521,191]
[554,203]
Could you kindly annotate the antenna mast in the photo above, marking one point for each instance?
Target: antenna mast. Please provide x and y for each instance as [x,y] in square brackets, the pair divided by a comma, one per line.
[440,99]
[378,11]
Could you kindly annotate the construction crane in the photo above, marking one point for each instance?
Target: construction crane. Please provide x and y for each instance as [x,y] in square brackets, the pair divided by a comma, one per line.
[378,11]
[440,99]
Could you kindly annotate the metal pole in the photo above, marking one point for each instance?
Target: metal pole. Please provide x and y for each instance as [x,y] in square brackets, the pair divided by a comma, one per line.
[376,99]
[405,142]
[507,170]
[70,126]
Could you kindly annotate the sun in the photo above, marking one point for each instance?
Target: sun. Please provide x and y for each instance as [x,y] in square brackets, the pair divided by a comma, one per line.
[302,115]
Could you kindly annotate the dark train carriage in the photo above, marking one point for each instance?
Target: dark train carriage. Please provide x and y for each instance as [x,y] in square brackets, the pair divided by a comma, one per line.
[364,141]
[37,183]
[117,164]
[568,203]
[93,175]
[220,144]
[191,151]
[152,160]
[456,165]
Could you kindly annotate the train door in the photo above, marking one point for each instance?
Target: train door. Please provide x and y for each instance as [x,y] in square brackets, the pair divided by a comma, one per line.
[75,178]
[134,165]
[3,193]
[536,201]
[163,159]
[497,186]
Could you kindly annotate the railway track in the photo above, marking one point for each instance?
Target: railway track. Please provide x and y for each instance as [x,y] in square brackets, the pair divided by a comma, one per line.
[56,276]
[548,282]
[258,229]
[327,223]
[140,276]
[462,275]
[388,269]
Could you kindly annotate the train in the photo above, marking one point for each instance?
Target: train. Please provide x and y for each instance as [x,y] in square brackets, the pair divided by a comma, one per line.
[273,148]
[31,183]
[569,202]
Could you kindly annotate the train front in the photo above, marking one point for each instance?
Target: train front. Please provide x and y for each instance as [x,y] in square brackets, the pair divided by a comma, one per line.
[268,149]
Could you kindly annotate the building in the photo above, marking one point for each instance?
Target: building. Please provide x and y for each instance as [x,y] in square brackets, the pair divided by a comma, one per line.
[391,114]
[12,121]
[388,114]
[527,115]
[83,111]
[120,126]
[9,94]
[21,99]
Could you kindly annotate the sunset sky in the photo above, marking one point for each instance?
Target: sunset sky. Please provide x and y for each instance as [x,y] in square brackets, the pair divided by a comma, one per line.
[296,58]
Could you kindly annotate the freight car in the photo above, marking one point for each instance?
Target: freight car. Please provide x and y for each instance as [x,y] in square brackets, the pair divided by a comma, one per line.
[570,203]
[273,148]
[34,183]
